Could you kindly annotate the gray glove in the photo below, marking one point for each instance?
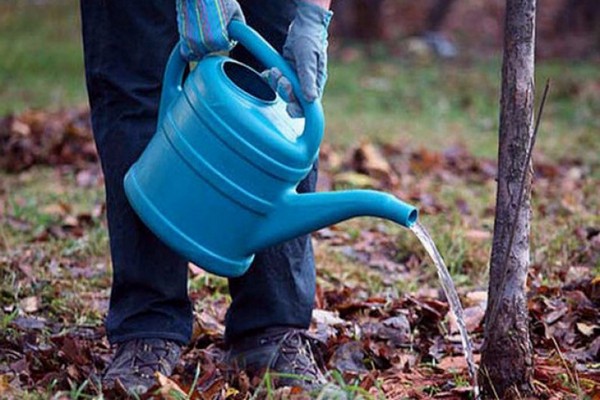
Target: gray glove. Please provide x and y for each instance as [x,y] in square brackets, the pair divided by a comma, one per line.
[306,50]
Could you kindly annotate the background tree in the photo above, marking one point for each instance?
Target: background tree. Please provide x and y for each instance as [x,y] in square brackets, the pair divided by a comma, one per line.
[580,16]
[507,361]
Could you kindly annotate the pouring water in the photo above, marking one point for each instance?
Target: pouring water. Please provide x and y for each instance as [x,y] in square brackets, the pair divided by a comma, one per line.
[450,291]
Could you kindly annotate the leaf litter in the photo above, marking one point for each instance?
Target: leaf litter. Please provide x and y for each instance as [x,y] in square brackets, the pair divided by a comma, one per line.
[381,341]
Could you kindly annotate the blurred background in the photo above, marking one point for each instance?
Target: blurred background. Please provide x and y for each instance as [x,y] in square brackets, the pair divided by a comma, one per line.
[410,70]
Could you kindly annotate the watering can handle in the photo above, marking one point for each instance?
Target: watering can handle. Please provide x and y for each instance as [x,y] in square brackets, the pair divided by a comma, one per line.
[314,121]
[313,111]
[172,81]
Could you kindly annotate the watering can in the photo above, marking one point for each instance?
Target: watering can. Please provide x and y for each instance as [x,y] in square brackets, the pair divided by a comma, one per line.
[217,182]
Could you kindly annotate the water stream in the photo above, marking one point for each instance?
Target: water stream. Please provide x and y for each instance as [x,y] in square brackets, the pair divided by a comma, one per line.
[455,306]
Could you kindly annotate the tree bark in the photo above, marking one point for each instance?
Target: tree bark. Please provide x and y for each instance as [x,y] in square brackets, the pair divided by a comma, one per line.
[507,361]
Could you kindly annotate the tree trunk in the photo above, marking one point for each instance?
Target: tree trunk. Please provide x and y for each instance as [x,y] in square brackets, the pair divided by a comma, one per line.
[507,361]
[369,19]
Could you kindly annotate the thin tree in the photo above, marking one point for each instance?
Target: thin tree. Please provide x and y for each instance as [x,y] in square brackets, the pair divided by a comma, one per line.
[507,361]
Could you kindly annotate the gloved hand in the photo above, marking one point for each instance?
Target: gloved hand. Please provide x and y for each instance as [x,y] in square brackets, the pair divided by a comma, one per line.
[306,50]
[203,26]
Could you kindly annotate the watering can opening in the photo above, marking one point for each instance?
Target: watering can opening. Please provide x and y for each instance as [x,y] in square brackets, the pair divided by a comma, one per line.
[249,81]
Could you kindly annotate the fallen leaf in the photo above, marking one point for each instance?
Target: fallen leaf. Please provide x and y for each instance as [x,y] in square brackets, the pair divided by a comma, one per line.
[349,357]
[18,224]
[555,315]
[367,159]
[478,235]
[73,372]
[55,209]
[74,351]
[29,304]
[6,389]
[207,324]
[456,363]
[586,329]
[472,317]
[29,323]
[395,329]
[195,270]
[168,389]
[211,384]
[70,221]
[425,160]
[576,273]
[89,177]
[477,297]
[354,180]
[326,317]
[38,137]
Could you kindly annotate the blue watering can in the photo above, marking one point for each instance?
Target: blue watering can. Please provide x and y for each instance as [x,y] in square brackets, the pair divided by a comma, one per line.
[217,182]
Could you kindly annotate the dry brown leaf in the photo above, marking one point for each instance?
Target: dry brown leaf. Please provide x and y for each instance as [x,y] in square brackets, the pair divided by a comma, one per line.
[478,235]
[349,357]
[208,324]
[6,390]
[30,304]
[368,159]
[169,390]
[326,317]
[354,180]
[195,270]
[37,137]
[586,329]
[56,209]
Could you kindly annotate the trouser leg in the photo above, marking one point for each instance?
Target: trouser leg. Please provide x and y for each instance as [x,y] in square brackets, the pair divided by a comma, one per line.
[126,45]
[279,288]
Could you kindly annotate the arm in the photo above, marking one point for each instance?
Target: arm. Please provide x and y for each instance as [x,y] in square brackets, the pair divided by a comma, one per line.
[203,24]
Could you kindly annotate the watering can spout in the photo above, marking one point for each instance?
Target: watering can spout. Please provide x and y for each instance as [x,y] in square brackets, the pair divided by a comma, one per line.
[301,214]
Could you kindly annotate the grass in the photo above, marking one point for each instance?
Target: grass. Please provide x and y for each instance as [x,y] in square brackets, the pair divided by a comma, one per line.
[435,105]
[42,55]
[52,263]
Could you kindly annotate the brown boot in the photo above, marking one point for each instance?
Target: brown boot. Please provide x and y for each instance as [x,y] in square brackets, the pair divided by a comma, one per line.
[287,353]
[135,363]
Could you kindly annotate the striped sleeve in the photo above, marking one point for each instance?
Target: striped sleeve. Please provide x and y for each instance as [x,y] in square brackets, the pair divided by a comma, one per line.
[202,26]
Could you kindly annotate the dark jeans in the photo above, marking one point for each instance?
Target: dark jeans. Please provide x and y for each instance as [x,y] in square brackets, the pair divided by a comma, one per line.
[126,45]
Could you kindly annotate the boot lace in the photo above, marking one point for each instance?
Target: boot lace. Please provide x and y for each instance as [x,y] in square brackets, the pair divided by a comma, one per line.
[297,355]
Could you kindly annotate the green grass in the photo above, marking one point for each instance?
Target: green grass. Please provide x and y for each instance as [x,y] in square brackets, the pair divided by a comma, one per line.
[435,105]
[33,201]
[42,59]
[37,197]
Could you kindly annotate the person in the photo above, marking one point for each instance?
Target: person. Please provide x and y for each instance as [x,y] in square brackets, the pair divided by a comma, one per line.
[365,20]
[433,35]
[126,47]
